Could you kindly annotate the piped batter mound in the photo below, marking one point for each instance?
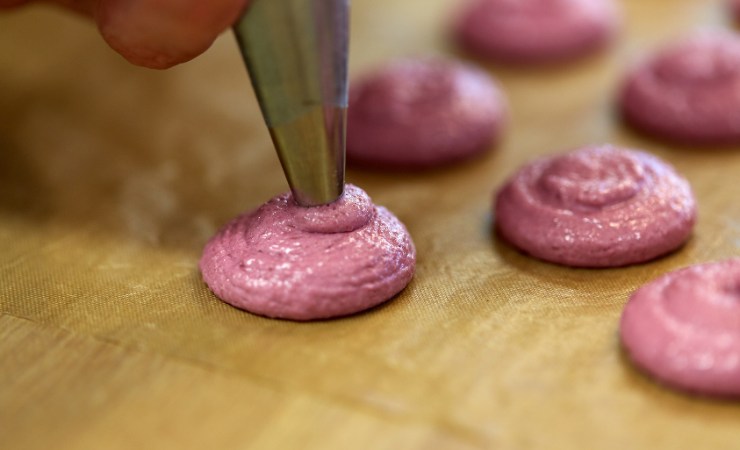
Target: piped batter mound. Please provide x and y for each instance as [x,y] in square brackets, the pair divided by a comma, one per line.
[291,262]
[684,328]
[415,114]
[688,92]
[536,31]
[599,206]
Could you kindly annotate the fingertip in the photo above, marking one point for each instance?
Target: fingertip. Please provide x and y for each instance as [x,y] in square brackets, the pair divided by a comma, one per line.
[163,33]
[152,55]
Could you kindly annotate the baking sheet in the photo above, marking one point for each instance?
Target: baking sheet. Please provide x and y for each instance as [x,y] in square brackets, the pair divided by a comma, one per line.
[112,178]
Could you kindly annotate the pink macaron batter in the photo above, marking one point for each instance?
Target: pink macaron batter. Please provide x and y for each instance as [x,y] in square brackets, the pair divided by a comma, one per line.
[599,206]
[684,328]
[688,92]
[536,31]
[291,262]
[416,114]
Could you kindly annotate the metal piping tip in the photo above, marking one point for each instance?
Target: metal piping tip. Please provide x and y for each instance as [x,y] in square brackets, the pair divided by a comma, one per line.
[296,52]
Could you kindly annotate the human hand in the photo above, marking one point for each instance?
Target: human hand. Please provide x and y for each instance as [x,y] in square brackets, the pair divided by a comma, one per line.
[155,33]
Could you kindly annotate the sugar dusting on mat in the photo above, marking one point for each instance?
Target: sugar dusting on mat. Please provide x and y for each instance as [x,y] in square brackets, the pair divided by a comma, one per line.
[286,261]
[684,328]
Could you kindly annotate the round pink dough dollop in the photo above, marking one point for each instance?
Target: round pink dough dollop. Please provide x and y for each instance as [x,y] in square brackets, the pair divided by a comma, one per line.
[689,92]
[422,113]
[684,328]
[600,206]
[536,31]
[291,262]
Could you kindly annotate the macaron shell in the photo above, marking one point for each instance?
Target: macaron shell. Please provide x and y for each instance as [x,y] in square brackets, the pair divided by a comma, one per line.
[417,114]
[599,206]
[688,91]
[684,328]
[536,31]
[284,261]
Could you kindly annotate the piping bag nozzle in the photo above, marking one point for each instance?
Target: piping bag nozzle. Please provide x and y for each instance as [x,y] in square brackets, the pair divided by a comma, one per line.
[296,52]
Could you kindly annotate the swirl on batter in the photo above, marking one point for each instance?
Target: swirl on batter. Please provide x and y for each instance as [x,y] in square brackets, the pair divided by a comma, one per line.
[684,328]
[600,206]
[536,31]
[416,114]
[286,261]
[688,92]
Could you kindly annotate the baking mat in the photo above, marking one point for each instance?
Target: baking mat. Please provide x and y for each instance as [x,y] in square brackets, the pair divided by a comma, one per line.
[112,178]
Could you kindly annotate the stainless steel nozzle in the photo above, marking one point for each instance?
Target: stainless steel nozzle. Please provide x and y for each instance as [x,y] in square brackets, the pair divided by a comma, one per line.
[296,55]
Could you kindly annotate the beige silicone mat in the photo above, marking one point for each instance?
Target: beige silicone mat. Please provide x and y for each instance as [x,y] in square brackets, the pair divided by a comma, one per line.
[112,178]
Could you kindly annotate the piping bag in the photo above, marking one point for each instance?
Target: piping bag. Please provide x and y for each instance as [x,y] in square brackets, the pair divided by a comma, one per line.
[296,53]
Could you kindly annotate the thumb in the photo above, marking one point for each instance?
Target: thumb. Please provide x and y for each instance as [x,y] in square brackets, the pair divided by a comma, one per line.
[162,33]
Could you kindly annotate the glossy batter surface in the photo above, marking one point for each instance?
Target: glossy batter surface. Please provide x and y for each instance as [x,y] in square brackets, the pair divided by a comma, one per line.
[416,114]
[599,206]
[688,92]
[536,31]
[286,261]
[684,328]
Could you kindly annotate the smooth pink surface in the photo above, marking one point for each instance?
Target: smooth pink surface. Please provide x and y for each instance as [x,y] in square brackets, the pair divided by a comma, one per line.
[536,31]
[689,91]
[599,206]
[422,113]
[684,328]
[286,261]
